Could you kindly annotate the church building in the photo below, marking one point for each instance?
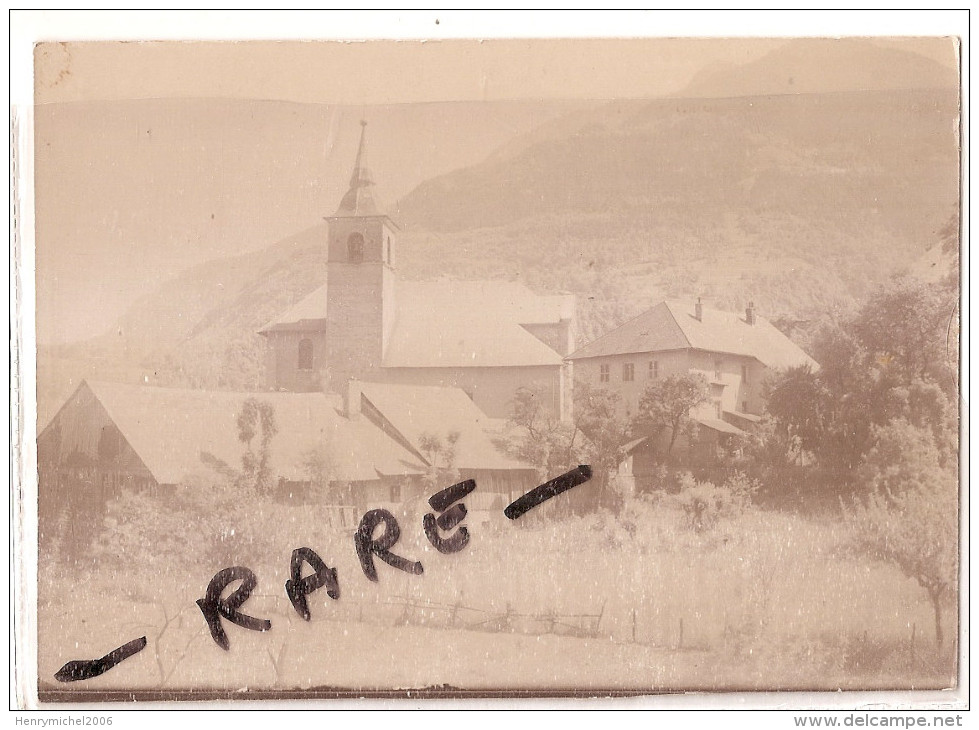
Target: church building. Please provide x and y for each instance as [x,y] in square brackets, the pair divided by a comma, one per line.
[487,338]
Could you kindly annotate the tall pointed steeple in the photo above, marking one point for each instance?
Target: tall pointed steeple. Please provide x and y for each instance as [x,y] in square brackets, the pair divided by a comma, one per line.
[360,292]
[359,198]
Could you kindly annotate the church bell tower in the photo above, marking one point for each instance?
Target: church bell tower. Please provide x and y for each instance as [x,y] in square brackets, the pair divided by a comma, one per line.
[360,280]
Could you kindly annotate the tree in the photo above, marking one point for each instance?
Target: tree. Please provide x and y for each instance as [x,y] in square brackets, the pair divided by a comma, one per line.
[949,237]
[903,327]
[538,438]
[913,526]
[798,400]
[771,454]
[887,362]
[440,455]
[319,465]
[910,517]
[255,416]
[667,404]
[831,415]
[902,458]
[597,415]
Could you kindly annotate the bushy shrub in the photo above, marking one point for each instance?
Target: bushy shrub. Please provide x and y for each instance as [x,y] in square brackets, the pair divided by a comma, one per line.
[705,504]
[190,530]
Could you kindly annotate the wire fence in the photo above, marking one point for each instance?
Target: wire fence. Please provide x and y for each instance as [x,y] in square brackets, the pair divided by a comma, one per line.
[423,612]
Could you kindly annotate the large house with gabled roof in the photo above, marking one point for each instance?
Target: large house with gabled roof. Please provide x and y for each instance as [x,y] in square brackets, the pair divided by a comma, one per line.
[735,353]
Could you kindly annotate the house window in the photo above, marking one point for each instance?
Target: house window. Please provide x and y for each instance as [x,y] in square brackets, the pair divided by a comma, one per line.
[628,372]
[744,406]
[717,408]
[396,492]
[717,369]
[744,374]
[355,248]
[305,360]
[653,369]
[603,373]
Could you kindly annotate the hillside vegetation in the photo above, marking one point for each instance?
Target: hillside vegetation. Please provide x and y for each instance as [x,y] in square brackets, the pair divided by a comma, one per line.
[800,203]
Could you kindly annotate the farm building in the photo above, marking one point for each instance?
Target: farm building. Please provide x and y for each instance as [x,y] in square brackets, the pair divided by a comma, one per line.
[734,352]
[109,437]
[416,415]
[488,338]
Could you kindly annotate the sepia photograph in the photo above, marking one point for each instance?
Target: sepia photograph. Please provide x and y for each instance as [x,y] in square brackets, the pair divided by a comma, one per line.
[497,368]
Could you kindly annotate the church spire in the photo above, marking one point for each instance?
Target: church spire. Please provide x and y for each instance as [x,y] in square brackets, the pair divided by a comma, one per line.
[355,178]
[359,199]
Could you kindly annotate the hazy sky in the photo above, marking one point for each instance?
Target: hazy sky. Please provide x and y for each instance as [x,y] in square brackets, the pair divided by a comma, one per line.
[380,72]
[138,178]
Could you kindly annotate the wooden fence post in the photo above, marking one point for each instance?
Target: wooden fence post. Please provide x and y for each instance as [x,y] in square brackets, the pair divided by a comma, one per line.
[914,630]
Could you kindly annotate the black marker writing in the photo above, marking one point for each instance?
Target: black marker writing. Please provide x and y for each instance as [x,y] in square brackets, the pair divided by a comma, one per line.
[441,500]
[78,670]
[450,517]
[539,495]
[368,547]
[214,607]
[297,588]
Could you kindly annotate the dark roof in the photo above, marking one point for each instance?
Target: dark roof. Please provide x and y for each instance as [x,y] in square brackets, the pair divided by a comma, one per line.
[452,323]
[359,198]
[672,325]
[716,424]
[749,417]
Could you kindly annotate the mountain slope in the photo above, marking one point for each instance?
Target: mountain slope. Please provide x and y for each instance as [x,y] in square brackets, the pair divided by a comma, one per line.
[800,202]
[882,151]
[822,65]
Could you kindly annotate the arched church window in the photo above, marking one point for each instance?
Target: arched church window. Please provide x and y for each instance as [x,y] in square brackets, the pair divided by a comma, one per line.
[305,354]
[355,248]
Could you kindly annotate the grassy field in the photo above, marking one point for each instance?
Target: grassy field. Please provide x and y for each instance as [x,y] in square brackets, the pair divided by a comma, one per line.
[764,600]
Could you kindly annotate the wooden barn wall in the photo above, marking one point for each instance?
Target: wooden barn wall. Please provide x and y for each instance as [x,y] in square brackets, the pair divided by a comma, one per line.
[83,462]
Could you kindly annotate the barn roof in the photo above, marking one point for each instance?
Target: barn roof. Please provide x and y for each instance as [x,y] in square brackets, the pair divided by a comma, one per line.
[416,410]
[671,325]
[170,430]
[455,323]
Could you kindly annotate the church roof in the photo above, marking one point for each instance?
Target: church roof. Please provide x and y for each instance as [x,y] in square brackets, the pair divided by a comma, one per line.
[416,410]
[359,198]
[170,429]
[672,325]
[312,307]
[469,324]
[455,323]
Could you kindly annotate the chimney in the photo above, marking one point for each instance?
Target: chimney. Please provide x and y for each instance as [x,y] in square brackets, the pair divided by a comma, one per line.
[699,310]
[749,313]
[351,406]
